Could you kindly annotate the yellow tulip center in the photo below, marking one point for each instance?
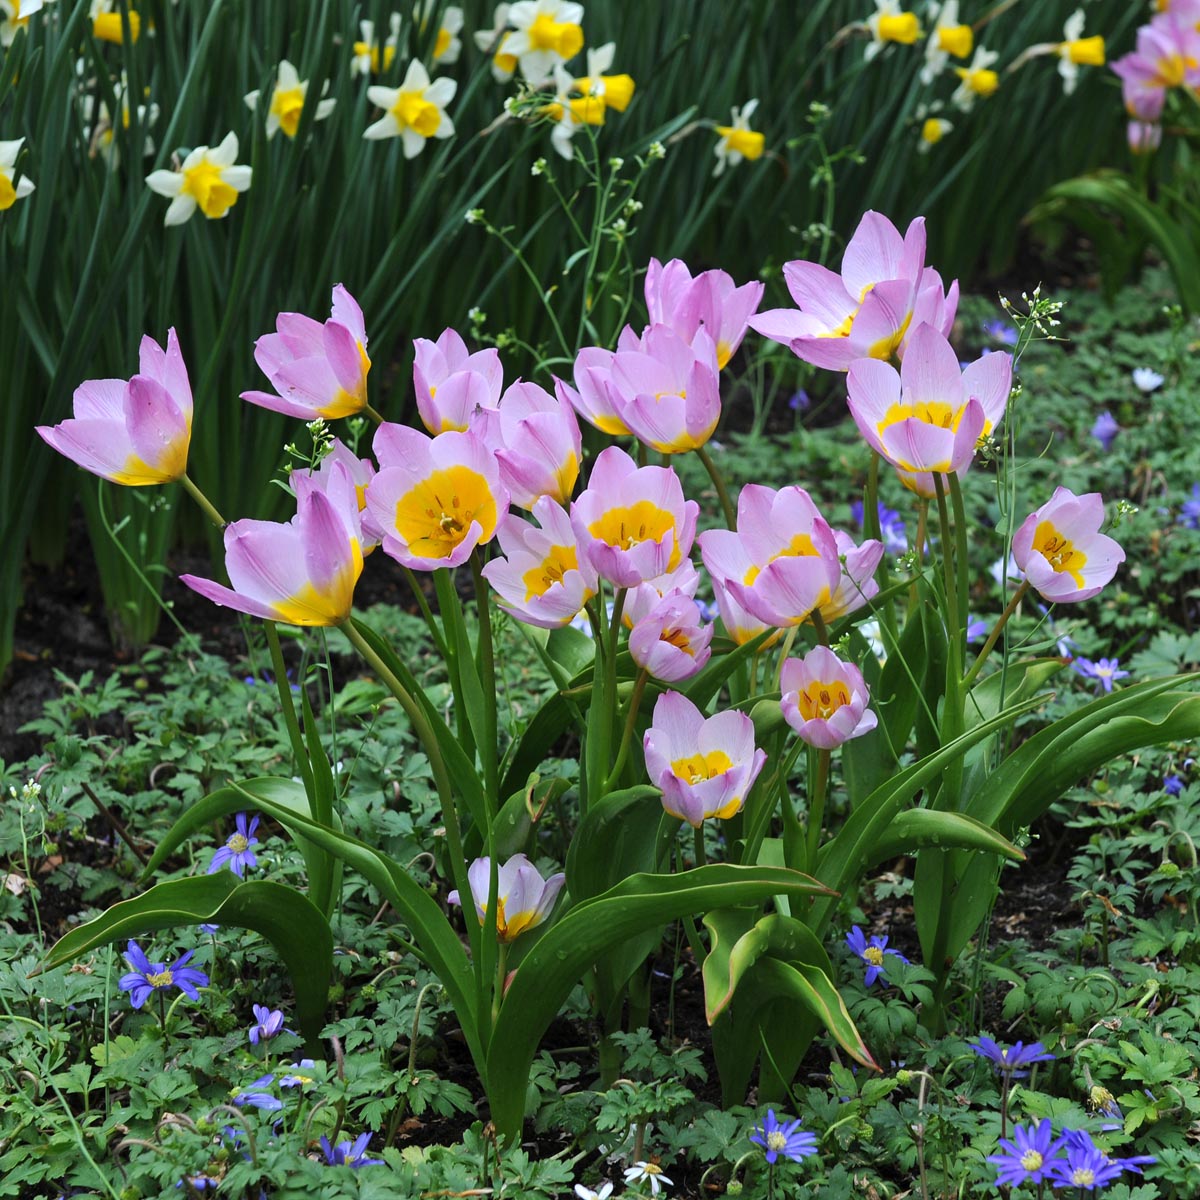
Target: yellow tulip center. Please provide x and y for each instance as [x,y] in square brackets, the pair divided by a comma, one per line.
[328,605]
[801,545]
[551,570]
[1171,70]
[819,701]
[346,404]
[435,516]
[957,40]
[745,142]
[204,184]
[644,521]
[1059,552]
[899,27]
[287,104]
[563,37]
[928,412]
[1087,52]
[696,768]
[413,111]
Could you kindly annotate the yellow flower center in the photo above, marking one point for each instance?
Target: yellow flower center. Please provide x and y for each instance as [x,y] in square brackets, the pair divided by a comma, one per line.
[899,27]
[237,843]
[819,701]
[1100,1097]
[776,1141]
[931,412]
[1083,1177]
[563,37]
[1059,551]
[983,82]
[644,521]
[329,605]
[161,979]
[107,27]
[1087,52]
[204,184]
[1031,1160]
[287,104]
[1171,69]
[873,955]
[745,142]
[957,40]
[443,42]
[435,516]
[932,131]
[696,768]
[8,193]
[551,570]
[346,404]
[413,111]
[801,545]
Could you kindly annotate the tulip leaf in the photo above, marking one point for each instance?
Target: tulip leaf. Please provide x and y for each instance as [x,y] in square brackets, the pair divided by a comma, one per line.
[701,689]
[932,827]
[286,918]
[617,837]
[585,933]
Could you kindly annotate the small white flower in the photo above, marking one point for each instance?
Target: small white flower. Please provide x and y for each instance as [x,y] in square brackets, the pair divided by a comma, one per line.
[208,179]
[287,101]
[977,79]
[415,111]
[602,1193]
[10,193]
[1146,380]
[651,1173]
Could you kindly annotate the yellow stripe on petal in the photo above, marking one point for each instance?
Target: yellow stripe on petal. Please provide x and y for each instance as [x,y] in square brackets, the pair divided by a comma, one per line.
[729,810]
[435,516]
[1059,552]
[801,546]
[551,570]
[640,522]
[696,768]
[886,347]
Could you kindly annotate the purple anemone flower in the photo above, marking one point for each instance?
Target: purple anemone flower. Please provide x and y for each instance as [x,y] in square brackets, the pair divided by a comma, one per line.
[891,526]
[1105,430]
[1010,1060]
[237,853]
[1001,331]
[777,1138]
[1086,1166]
[267,1023]
[1189,512]
[146,977]
[1173,785]
[303,1074]
[349,1154]
[256,1096]
[1103,670]
[1028,1157]
[871,953]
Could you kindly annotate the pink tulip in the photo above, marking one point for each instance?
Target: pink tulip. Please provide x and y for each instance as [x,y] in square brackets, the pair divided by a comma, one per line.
[317,370]
[926,418]
[936,305]
[302,572]
[824,699]
[632,523]
[541,578]
[360,472]
[864,312]
[540,445]
[451,384]
[704,766]
[523,898]
[857,585]
[134,433]
[1143,137]
[591,397]
[671,641]
[683,581]
[1061,550]
[782,561]
[434,499]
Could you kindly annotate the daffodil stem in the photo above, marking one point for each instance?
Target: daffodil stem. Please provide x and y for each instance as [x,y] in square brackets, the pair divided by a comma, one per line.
[635,702]
[992,637]
[718,481]
[299,750]
[206,505]
[816,808]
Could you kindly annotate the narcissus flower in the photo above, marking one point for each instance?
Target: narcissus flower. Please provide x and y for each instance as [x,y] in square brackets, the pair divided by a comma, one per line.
[541,578]
[949,39]
[632,523]
[671,641]
[447,46]
[782,560]
[825,699]
[318,370]
[434,499]
[135,433]
[14,16]
[1075,51]
[145,977]
[539,445]
[451,383]
[612,91]
[208,179]
[494,41]
[978,80]
[107,24]
[11,192]
[888,23]
[737,140]
[926,418]
[546,34]
[710,301]
[523,898]
[287,102]
[368,57]
[570,111]
[103,137]
[299,573]
[933,129]
[1061,550]
[413,112]
[704,766]
[863,313]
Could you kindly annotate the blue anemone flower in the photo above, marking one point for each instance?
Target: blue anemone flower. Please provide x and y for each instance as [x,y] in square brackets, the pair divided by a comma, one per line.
[1009,1060]
[237,852]
[349,1154]
[1028,1157]
[871,953]
[146,977]
[777,1138]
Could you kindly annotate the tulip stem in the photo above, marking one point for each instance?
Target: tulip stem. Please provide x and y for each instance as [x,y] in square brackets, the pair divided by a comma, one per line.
[819,625]
[1011,608]
[816,807]
[206,505]
[289,713]
[375,416]
[486,665]
[635,702]
[698,842]
[501,975]
[719,483]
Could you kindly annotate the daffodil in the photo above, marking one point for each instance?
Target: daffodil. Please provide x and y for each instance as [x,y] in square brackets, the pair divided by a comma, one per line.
[208,179]
[888,23]
[287,101]
[14,16]
[614,91]
[977,80]
[448,45]
[494,41]
[933,129]
[368,57]
[949,39]
[103,139]
[546,34]
[1075,51]
[107,25]
[413,112]
[11,191]
[737,140]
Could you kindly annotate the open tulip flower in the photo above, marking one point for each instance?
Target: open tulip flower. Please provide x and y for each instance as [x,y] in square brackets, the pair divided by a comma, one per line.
[937,305]
[710,301]
[864,312]
[591,396]
[523,898]
[434,499]
[1060,548]
[666,391]
[704,766]
[540,445]
[671,642]
[452,384]
[824,699]
[857,584]
[926,418]
[541,578]
[782,560]
[632,523]
[317,370]
[136,432]
[299,573]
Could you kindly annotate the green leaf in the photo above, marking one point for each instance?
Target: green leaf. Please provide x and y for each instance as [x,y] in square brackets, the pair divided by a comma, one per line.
[618,837]
[932,827]
[287,919]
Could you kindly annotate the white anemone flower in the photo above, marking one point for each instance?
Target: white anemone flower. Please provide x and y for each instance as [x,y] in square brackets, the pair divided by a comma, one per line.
[287,101]
[413,112]
[601,1193]
[208,179]
[651,1172]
